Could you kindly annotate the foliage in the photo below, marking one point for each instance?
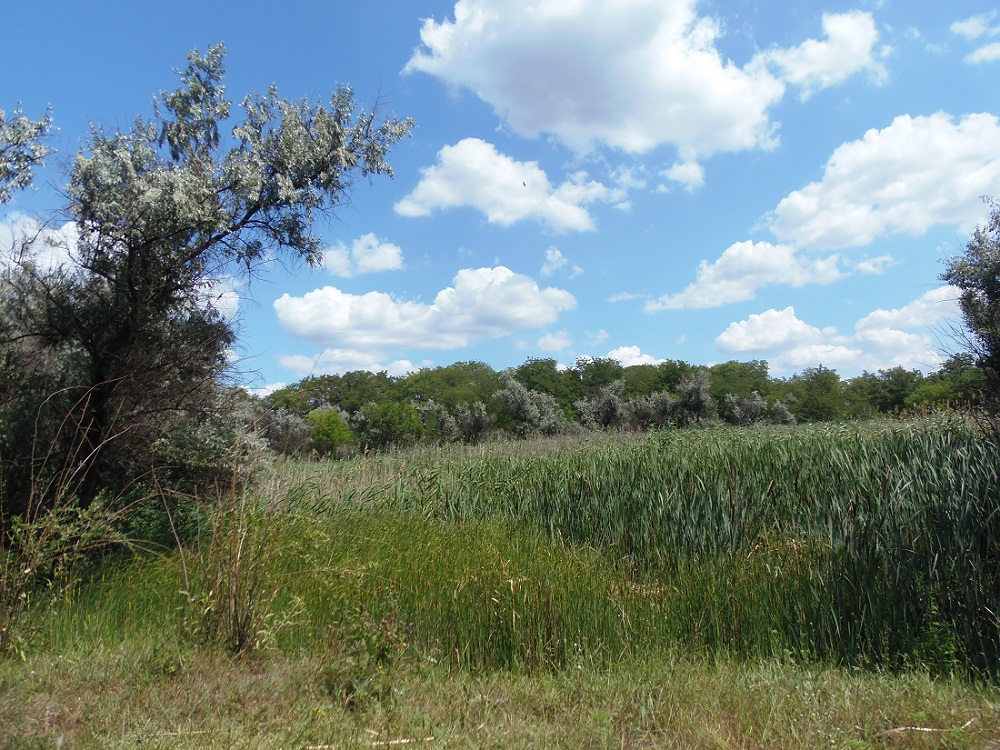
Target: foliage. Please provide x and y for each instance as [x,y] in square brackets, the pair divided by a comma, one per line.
[747,411]
[885,391]
[451,386]
[387,424]
[656,410]
[165,212]
[818,395]
[328,431]
[739,379]
[526,412]
[285,431]
[605,408]
[695,405]
[544,376]
[473,421]
[22,148]
[976,274]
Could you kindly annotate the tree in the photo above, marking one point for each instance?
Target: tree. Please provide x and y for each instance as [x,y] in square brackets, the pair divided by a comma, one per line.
[605,408]
[740,379]
[458,383]
[976,273]
[163,212]
[526,412]
[328,431]
[387,424]
[22,148]
[695,405]
[544,376]
[817,395]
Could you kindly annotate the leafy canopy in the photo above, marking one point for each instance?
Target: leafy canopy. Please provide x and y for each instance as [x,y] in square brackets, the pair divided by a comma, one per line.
[165,211]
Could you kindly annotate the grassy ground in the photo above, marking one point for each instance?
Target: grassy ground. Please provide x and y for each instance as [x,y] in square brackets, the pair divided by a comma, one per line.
[133,696]
[620,593]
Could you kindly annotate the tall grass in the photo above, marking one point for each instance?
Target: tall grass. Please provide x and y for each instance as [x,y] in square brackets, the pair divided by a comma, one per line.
[875,543]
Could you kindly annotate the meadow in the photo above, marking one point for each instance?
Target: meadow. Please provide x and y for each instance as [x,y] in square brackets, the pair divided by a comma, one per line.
[797,586]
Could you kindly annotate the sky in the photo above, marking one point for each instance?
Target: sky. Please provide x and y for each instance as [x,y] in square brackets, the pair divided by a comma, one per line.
[643,180]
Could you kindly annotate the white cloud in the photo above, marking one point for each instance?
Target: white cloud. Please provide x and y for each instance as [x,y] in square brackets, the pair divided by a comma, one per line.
[367,254]
[875,266]
[598,338]
[929,309]
[849,48]
[23,237]
[628,356]
[975,27]
[484,303]
[913,174]
[989,53]
[338,361]
[554,342]
[624,297]
[555,261]
[633,74]
[881,340]
[265,390]
[769,330]
[743,269]
[473,173]
[689,173]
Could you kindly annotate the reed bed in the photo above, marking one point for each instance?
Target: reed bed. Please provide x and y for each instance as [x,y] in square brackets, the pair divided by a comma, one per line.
[872,544]
[869,545]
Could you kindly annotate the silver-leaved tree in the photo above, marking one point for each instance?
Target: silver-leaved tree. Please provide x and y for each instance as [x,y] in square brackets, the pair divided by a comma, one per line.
[118,349]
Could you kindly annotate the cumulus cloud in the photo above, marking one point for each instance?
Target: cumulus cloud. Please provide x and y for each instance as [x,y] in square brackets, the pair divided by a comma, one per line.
[905,178]
[337,361]
[473,173]
[848,49]
[688,173]
[367,254]
[484,303]
[23,238]
[628,356]
[929,309]
[882,339]
[633,74]
[769,330]
[743,269]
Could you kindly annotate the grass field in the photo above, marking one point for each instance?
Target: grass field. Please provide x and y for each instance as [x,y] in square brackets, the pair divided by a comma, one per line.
[827,586]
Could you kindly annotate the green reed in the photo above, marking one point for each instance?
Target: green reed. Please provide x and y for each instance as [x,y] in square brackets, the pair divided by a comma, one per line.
[873,543]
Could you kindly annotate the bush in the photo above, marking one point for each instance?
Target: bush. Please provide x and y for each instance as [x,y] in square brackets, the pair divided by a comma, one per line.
[328,433]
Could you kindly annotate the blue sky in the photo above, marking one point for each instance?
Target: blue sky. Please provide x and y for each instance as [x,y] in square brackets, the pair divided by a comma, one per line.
[643,179]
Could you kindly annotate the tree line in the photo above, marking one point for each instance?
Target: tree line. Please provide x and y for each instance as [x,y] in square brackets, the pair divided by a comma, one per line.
[468,401]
